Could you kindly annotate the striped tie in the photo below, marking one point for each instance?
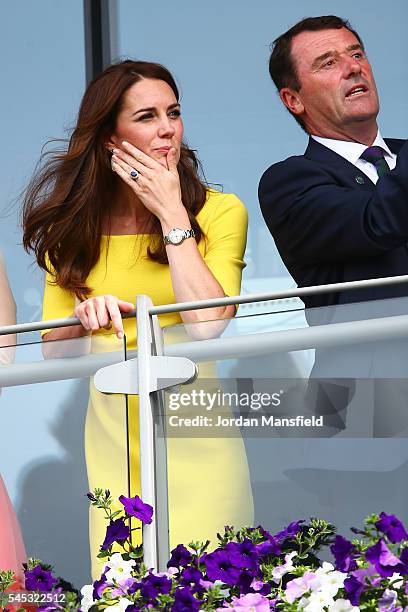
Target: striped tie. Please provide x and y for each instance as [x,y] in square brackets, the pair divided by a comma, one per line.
[375,155]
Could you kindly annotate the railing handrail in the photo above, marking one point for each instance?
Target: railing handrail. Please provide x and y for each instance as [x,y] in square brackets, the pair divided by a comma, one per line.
[214,302]
[229,347]
[277,295]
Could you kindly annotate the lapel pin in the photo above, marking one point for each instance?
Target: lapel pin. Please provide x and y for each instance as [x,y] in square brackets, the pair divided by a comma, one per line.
[360,180]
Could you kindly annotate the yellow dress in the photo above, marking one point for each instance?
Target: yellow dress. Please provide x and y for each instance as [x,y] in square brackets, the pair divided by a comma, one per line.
[208,478]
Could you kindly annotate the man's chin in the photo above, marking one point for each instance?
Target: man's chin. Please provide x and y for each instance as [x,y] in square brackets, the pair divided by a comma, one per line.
[363,114]
[361,117]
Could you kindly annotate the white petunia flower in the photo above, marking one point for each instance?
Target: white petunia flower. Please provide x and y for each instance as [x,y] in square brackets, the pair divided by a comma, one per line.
[119,568]
[121,606]
[302,603]
[298,586]
[170,572]
[281,570]
[87,597]
[343,605]
[329,582]
[396,580]
[326,567]
[317,602]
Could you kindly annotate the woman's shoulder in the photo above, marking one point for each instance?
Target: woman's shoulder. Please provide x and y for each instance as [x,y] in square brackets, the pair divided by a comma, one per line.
[220,203]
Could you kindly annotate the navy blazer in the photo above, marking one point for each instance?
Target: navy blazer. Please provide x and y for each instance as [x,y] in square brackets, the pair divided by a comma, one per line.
[332,224]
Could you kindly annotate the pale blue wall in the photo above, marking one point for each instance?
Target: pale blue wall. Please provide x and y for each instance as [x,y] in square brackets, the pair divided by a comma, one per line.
[41,426]
[43,76]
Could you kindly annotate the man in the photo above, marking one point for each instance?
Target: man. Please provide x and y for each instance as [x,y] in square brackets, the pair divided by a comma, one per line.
[340,211]
[333,219]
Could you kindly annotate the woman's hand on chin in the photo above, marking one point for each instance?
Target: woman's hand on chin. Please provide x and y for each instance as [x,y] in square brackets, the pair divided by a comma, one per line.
[157,186]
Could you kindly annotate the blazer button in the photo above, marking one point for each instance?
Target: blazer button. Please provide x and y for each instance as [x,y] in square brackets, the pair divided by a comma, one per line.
[360,180]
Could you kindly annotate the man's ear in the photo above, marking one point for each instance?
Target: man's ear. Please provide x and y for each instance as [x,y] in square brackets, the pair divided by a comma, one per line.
[292,100]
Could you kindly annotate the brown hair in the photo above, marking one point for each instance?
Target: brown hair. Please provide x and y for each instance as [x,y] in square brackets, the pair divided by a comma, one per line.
[281,65]
[67,200]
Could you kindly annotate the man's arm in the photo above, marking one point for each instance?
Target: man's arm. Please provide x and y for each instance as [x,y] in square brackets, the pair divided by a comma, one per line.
[313,218]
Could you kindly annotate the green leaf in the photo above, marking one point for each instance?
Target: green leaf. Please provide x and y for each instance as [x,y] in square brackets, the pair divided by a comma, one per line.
[115,514]
[103,554]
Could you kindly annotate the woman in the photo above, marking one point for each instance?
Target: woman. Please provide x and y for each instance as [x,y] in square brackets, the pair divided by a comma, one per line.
[124,212]
[12,553]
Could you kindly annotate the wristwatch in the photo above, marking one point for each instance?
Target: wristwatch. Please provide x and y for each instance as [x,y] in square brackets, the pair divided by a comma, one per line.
[177,235]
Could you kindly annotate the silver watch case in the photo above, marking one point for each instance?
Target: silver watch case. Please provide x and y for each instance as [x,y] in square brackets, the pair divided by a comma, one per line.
[177,236]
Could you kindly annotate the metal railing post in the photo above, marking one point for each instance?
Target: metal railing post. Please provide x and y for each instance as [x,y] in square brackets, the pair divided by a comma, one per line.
[153,448]
[146,427]
[161,472]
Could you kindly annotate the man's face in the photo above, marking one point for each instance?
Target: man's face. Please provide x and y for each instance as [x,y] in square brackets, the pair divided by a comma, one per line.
[338,90]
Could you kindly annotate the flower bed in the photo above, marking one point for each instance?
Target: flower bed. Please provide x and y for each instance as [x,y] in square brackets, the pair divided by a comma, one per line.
[249,570]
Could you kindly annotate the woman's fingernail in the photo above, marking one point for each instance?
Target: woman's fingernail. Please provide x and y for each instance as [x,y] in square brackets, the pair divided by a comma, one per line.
[120,335]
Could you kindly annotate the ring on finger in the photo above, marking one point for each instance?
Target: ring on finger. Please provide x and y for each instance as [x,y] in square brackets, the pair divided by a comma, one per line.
[134,174]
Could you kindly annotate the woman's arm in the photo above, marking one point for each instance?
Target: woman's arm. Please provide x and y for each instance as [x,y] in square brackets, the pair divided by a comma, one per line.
[159,190]
[190,276]
[54,350]
[7,316]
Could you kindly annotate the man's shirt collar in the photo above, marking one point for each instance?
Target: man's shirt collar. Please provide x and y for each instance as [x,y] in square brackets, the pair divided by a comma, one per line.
[352,150]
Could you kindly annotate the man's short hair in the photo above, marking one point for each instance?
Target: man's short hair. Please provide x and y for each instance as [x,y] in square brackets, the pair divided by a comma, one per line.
[281,65]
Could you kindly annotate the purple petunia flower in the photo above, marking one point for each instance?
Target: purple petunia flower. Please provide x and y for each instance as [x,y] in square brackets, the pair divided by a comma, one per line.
[244,583]
[384,561]
[191,575]
[343,550]
[259,586]
[39,579]
[180,557]
[242,554]
[99,587]
[367,574]
[219,567]
[184,601]
[253,602]
[354,589]
[151,586]
[387,602]
[126,587]
[290,531]
[270,547]
[135,507]
[116,531]
[392,527]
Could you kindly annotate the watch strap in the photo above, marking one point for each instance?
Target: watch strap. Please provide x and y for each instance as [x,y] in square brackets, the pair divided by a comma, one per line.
[188,233]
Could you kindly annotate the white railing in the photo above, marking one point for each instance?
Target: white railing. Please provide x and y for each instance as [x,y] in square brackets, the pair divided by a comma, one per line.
[141,373]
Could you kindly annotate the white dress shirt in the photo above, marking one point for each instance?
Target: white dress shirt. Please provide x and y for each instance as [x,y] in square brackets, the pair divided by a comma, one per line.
[352,151]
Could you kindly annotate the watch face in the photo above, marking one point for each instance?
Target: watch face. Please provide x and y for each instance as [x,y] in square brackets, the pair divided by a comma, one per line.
[176,235]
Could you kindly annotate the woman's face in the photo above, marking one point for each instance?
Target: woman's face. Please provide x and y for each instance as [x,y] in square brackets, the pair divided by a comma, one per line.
[150,120]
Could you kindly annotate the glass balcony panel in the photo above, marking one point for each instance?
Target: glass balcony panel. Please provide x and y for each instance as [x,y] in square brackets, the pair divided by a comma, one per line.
[60,437]
[316,402]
